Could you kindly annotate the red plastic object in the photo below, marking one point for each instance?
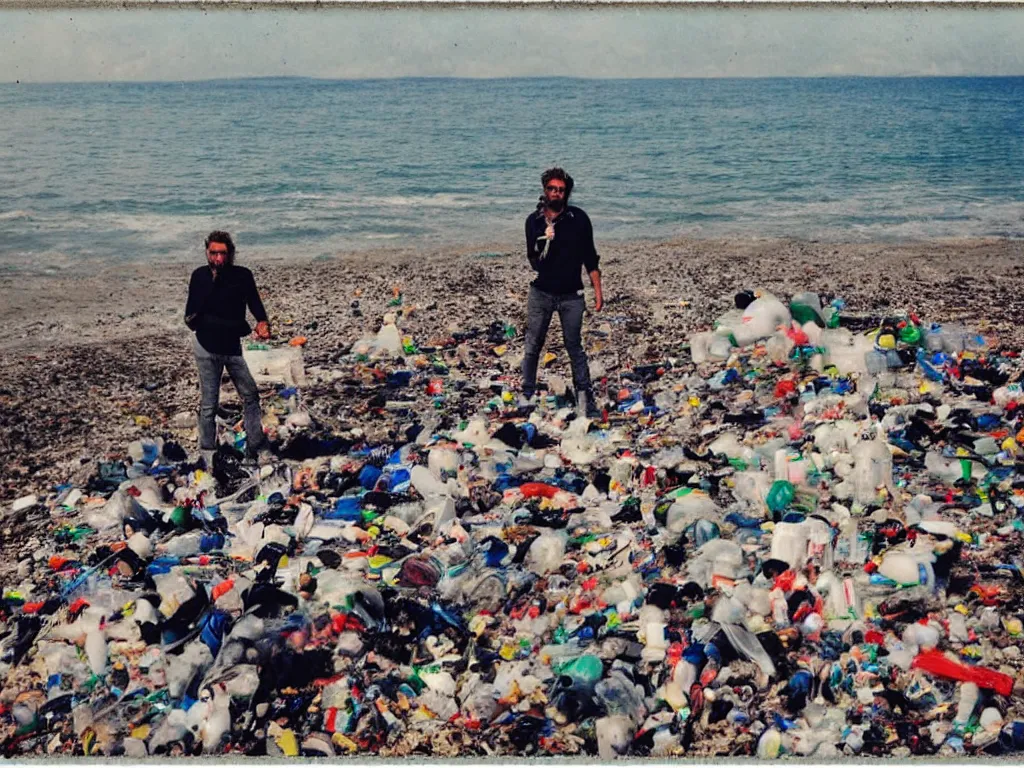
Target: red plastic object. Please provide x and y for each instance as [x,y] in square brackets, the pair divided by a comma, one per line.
[223,588]
[330,721]
[650,475]
[529,490]
[786,580]
[798,336]
[77,607]
[874,636]
[937,663]
[784,388]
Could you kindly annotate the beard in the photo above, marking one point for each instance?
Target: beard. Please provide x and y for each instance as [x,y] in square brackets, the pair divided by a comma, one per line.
[557,205]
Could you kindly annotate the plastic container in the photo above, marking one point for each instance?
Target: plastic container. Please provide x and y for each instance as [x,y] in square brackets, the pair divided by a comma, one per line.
[872,469]
[907,570]
[806,307]
[761,319]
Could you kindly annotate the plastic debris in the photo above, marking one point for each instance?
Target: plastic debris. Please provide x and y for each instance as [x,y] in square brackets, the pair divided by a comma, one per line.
[799,537]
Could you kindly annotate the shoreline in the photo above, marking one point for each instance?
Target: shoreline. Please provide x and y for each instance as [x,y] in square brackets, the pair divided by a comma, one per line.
[59,264]
[84,354]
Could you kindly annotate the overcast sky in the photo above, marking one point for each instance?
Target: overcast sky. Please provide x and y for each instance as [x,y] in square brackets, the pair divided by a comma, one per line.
[105,45]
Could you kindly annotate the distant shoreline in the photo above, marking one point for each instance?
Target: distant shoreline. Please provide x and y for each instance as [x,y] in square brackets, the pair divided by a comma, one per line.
[376,4]
[78,265]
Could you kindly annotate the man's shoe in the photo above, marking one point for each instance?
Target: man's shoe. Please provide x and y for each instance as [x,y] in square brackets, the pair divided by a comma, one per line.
[263,457]
[585,405]
[206,457]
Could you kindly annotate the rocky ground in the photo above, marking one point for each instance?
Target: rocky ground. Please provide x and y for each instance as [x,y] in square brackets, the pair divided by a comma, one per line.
[97,356]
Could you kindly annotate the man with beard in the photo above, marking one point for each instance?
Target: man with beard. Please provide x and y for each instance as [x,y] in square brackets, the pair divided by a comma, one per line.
[218,295]
[559,243]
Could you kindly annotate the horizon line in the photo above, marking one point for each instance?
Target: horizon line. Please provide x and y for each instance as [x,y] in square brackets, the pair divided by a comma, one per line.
[317,79]
[316,5]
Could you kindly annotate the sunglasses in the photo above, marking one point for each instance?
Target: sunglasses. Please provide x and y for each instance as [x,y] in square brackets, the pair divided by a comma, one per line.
[553,188]
[217,253]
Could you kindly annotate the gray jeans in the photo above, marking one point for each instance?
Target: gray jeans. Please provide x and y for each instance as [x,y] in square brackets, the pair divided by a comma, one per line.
[539,309]
[211,368]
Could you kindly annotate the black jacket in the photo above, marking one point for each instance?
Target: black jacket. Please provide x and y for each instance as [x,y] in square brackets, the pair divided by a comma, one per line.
[558,269]
[216,308]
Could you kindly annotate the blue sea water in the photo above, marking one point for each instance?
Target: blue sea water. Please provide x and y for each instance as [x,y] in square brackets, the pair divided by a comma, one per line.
[312,167]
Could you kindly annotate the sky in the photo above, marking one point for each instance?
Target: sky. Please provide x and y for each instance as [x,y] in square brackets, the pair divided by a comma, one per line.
[618,42]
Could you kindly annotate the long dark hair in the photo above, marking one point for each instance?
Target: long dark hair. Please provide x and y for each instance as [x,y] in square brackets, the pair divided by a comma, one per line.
[219,236]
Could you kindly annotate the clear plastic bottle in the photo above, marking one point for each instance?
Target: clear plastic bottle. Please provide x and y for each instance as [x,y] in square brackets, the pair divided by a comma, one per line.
[876,362]
[872,468]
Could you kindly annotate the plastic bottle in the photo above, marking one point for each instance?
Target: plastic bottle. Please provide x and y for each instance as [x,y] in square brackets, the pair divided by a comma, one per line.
[620,696]
[876,362]
[613,736]
[96,651]
[769,746]
[789,544]
[931,338]
[779,347]
[216,723]
[720,347]
[546,553]
[139,544]
[389,340]
[655,643]
[760,319]
[948,471]
[923,636]
[806,307]
[872,468]
[183,545]
[752,487]
[907,569]
[910,334]
[700,346]
[688,508]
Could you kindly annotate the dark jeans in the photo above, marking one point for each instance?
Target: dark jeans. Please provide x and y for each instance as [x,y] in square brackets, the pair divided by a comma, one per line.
[211,367]
[539,309]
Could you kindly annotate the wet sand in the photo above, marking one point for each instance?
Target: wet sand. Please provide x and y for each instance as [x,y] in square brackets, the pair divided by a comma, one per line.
[96,355]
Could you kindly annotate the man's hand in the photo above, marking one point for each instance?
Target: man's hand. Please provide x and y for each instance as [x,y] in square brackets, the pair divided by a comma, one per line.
[595,280]
[262,330]
[549,233]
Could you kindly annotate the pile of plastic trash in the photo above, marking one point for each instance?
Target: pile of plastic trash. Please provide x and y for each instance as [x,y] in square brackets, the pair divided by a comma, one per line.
[803,539]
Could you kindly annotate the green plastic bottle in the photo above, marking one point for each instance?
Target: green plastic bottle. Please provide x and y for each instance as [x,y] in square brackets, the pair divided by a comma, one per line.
[910,334]
[806,307]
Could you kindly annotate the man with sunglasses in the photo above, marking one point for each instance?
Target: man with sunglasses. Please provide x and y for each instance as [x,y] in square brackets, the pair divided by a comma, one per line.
[559,243]
[218,295]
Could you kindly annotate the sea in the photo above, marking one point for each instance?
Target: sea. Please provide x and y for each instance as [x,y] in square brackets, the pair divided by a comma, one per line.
[311,168]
